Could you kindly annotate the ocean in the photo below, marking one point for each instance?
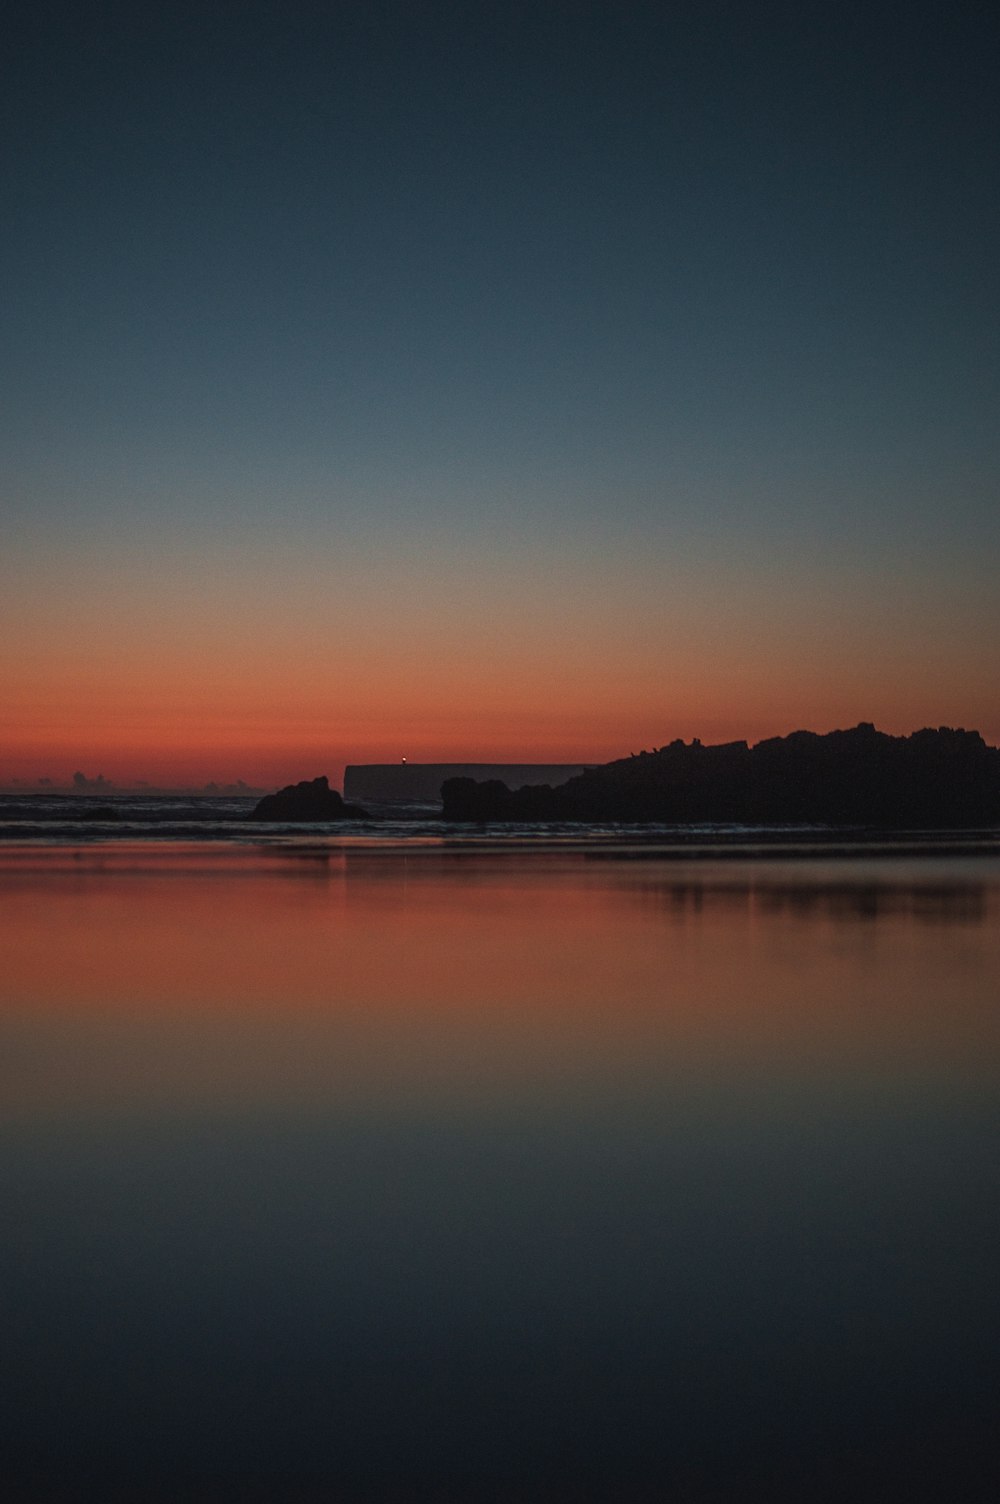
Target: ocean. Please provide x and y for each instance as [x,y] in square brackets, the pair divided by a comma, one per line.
[61,819]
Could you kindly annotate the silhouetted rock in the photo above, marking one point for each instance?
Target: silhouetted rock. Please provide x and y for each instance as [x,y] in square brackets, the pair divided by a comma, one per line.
[933,779]
[308,802]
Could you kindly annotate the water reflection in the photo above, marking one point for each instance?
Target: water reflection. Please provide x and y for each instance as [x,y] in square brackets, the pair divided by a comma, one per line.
[415,1175]
[929,903]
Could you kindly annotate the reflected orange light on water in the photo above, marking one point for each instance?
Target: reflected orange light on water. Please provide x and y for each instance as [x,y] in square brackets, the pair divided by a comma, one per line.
[214,979]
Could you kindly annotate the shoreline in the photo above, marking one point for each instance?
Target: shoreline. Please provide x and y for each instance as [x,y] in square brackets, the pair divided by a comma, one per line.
[679,845]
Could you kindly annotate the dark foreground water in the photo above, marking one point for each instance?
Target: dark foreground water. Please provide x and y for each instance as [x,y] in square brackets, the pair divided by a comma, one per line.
[388,1172]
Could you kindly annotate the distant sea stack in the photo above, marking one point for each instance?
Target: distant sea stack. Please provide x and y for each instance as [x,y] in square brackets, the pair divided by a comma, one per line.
[420,782]
[310,801]
[933,779]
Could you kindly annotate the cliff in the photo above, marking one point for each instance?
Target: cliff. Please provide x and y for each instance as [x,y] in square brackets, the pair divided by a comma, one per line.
[420,782]
[861,777]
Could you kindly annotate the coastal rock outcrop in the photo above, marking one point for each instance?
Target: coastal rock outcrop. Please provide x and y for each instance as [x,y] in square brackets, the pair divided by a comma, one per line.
[310,801]
[933,779]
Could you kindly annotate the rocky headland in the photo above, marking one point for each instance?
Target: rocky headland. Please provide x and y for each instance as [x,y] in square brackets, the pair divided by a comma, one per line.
[312,801]
[932,779]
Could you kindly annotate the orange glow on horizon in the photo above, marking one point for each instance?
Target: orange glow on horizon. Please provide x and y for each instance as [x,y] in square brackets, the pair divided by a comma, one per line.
[265,756]
[271,664]
[268,735]
[264,667]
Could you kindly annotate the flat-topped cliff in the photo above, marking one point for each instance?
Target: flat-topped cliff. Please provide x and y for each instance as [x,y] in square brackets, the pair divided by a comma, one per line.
[420,782]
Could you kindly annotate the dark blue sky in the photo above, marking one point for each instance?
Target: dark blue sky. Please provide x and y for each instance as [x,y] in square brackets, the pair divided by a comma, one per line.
[700,293]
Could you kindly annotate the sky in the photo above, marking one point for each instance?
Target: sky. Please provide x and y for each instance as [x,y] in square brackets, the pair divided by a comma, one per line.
[492,382]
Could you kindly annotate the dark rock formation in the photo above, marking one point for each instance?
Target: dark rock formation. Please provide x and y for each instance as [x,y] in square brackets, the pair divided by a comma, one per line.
[933,779]
[420,782]
[313,801]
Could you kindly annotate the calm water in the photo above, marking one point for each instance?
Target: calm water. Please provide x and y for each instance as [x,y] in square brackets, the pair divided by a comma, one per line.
[418,1173]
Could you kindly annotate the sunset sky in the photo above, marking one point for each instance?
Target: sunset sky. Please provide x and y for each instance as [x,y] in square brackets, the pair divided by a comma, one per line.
[492,382]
